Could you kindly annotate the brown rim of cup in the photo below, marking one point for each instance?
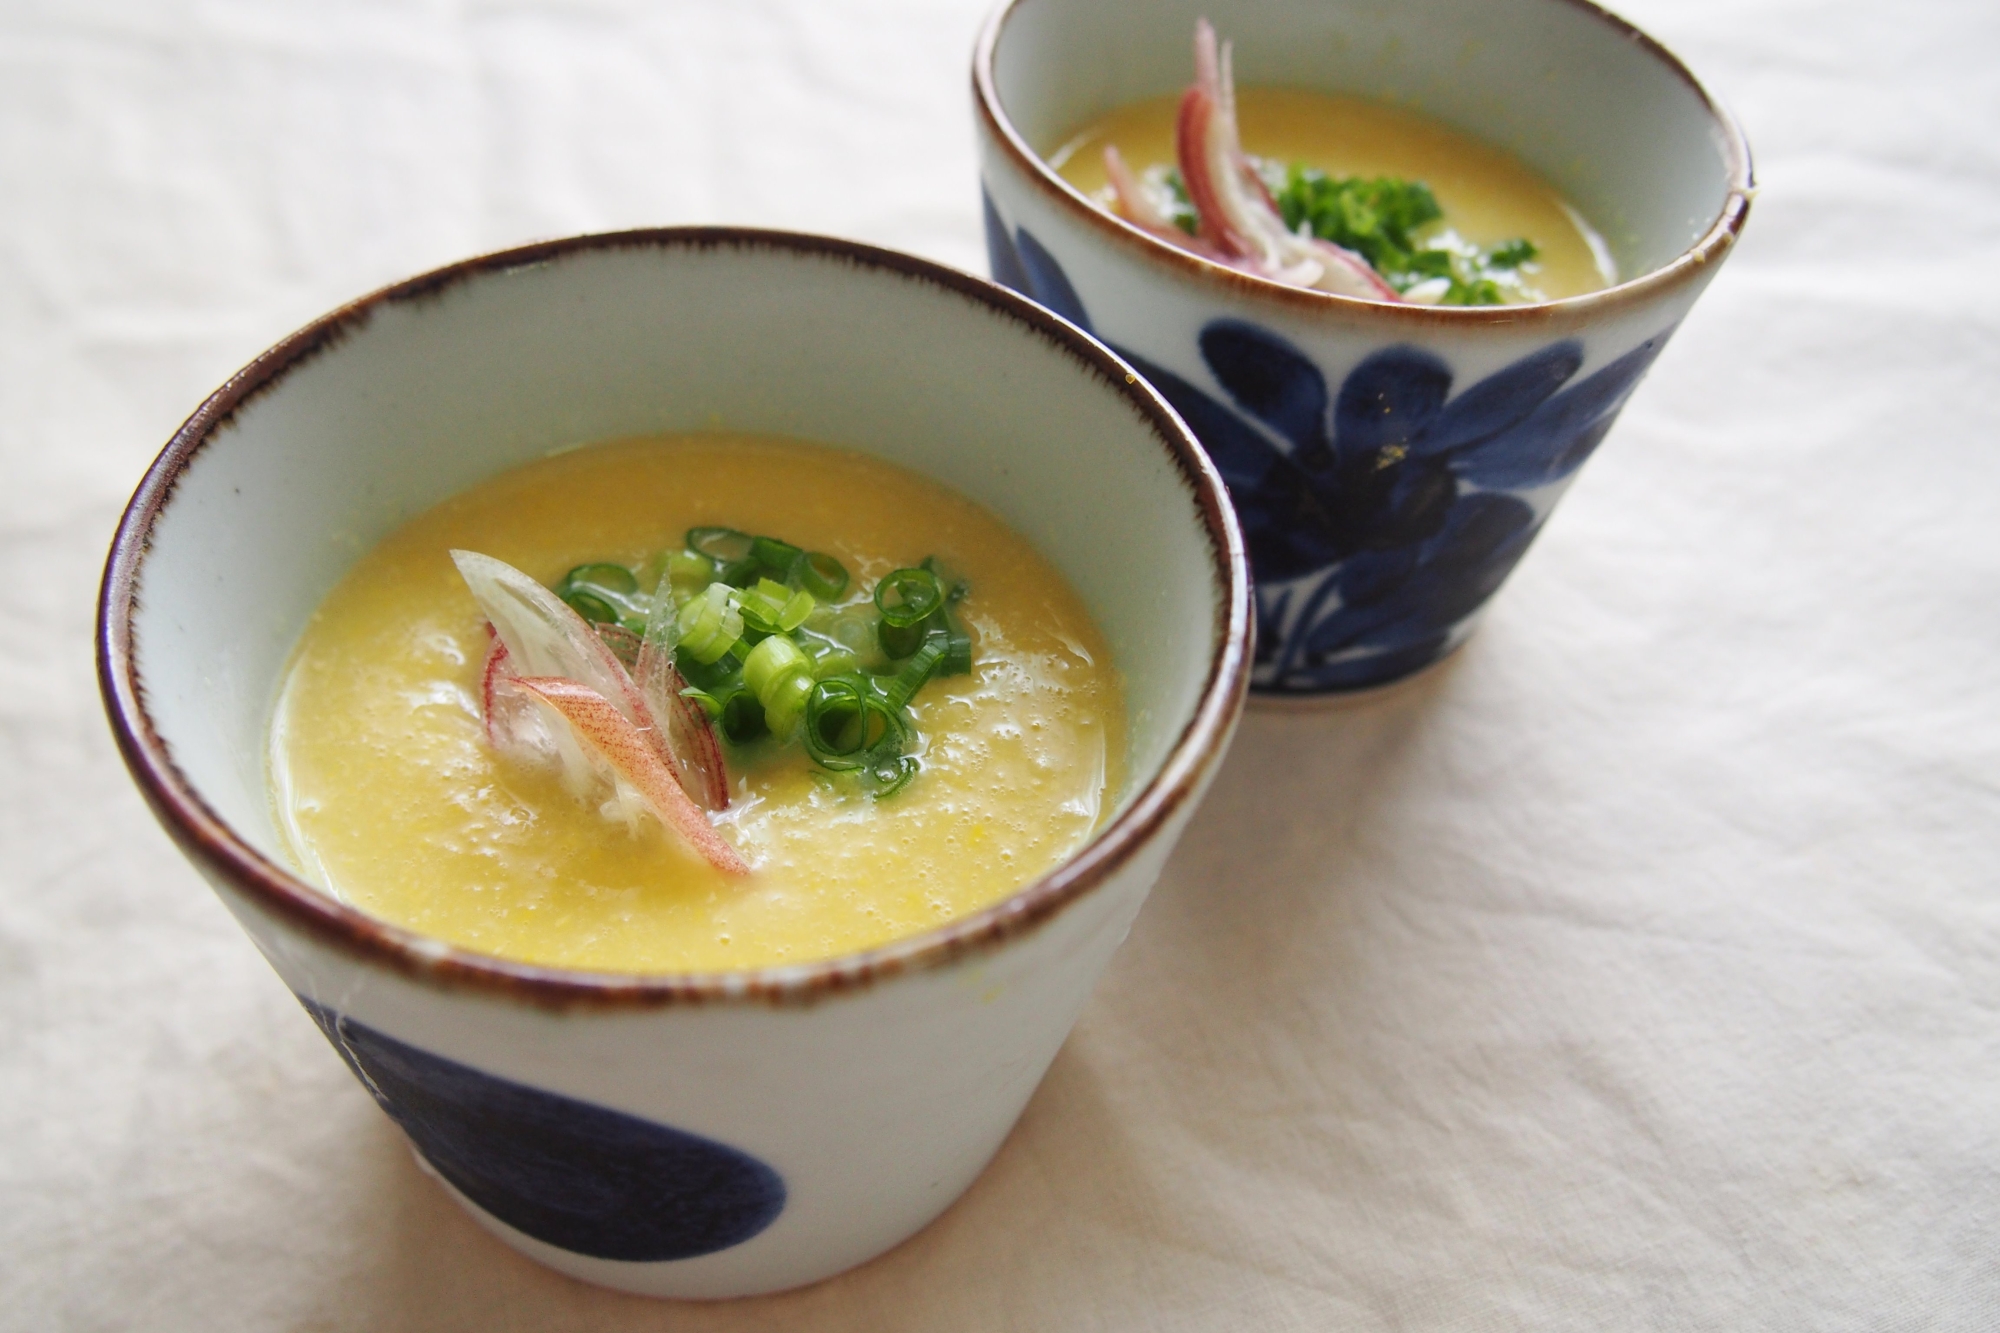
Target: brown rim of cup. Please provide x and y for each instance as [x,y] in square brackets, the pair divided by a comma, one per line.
[1712,245]
[275,890]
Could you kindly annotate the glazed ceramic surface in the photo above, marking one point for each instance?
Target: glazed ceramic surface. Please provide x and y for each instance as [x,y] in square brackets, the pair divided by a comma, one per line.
[714,1134]
[1390,463]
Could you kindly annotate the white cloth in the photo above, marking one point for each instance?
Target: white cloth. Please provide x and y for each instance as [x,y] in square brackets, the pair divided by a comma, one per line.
[1639,970]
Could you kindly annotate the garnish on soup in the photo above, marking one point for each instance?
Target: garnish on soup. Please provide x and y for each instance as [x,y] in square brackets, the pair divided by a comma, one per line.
[1371,234]
[555,695]
[577,764]
[758,623]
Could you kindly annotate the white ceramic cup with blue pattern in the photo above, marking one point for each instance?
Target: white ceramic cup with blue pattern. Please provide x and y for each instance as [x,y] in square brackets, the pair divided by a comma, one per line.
[1390,463]
[713,1134]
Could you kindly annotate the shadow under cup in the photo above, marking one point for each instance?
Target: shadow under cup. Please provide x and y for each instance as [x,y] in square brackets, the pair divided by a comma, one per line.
[712,1134]
[1389,463]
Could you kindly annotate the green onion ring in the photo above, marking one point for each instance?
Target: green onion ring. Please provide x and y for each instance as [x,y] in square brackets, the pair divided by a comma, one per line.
[724,546]
[602,574]
[899,641]
[774,557]
[709,703]
[957,659]
[831,659]
[597,610]
[742,716]
[906,596]
[730,550]
[841,714]
[795,610]
[903,686]
[821,575]
[713,676]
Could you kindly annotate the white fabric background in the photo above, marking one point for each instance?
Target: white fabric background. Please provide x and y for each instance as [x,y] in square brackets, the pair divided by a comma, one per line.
[1641,970]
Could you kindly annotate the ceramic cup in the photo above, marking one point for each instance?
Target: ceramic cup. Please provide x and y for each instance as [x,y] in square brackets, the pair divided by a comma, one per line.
[692,1135]
[1390,463]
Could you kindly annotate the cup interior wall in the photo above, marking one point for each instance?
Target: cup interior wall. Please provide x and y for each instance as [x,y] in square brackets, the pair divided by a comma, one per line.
[431,393]
[1614,125]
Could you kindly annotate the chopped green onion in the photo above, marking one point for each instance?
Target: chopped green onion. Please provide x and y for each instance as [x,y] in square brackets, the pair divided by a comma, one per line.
[781,675]
[903,686]
[797,607]
[899,641]
[772,608]
[612,578]
[849,726]
[742,717]
[855,630]
[821,575]
[606,594]
[729,549]
[771,661]
[754,630]
[786,702]
[831,659]
[760,609]
[732,707]
[712,676]
[774,557]
[688,573]
[710,625]
[957,659]
[723,545]
[907,596]
[591,606]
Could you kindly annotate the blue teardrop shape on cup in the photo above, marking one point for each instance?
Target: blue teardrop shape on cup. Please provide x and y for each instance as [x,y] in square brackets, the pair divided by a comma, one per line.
[582,1177]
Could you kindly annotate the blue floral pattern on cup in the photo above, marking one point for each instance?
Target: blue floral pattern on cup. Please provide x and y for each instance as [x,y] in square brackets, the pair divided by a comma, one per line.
[1380,517]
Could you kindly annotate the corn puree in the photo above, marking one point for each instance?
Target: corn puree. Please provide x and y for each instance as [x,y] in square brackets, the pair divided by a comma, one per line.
[391,799]
[1488,196]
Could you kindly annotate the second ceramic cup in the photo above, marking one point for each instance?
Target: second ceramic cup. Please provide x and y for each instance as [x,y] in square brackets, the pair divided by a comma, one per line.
[1390,463]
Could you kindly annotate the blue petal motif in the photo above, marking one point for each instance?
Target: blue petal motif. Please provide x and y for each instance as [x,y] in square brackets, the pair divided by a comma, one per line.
[1048,283]
[1286,528]
[1272,381]
[1001,258]
[581,1177]
[1245,459]
[1452,574]
[1023,263]
[1381,516]
[1389,400]
[1557,436]
[1271,623]
[1501,400]
[1359,673]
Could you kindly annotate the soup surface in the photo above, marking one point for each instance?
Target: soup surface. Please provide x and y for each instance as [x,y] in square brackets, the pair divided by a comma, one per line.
[1489,197]
[391,798]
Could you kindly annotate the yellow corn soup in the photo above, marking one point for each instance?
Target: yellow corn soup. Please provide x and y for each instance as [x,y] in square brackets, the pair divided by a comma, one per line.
[391,799]
[1488,196]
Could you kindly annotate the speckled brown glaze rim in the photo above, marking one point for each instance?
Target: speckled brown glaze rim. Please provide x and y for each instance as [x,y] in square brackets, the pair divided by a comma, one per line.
[276,891]
[1569,312]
